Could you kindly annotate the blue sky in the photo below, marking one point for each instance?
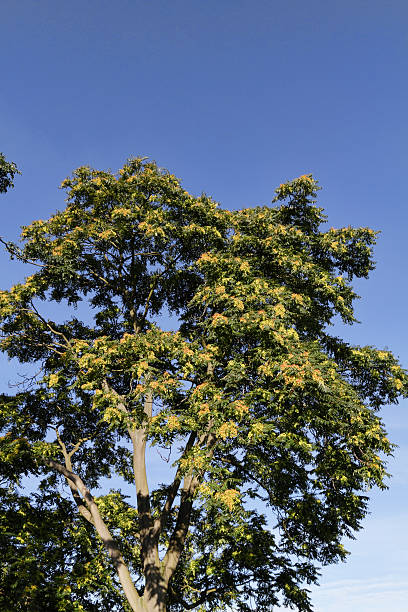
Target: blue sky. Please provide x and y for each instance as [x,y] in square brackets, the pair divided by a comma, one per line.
[235,97]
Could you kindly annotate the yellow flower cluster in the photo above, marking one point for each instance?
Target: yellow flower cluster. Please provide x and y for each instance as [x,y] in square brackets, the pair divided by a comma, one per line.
[229,497]
[173,422]
[228,430]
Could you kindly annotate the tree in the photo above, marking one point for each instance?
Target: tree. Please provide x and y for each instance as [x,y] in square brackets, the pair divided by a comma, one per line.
[8,170]
[260,406]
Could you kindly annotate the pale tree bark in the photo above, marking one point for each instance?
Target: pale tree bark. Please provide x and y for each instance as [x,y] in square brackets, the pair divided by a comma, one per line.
[158,574]
[155,593]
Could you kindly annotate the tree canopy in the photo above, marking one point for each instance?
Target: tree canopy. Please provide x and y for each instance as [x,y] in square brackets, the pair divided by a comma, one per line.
[154,318]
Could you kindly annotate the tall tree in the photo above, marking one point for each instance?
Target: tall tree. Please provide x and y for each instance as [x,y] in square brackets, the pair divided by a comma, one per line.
[259,405]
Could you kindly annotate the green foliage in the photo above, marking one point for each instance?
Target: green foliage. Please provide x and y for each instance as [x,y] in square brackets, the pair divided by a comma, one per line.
[50,560]
[8,170]
[256,400]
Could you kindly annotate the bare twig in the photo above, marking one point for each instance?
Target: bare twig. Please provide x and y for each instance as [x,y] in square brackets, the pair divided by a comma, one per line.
[15,251]
[47,323]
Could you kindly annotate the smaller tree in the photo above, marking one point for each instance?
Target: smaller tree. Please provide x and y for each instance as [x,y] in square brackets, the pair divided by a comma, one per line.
[8,170]
[251,394]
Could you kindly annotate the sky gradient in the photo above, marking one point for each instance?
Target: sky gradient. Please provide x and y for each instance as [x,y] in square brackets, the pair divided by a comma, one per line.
[234,97]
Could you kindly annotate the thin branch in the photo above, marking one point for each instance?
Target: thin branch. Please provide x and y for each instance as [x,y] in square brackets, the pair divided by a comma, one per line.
[189,488]
[198,602]
[153,286]
[27,381]
[27,336]
[137,324]
[15,251]
[149,297]
[174,487]
[99,277]
[82,509]
[54,331]
[235,463]
[51,348]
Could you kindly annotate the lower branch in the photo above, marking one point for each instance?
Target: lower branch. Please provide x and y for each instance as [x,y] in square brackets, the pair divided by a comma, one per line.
[126,581]
[82,509]
[198,602]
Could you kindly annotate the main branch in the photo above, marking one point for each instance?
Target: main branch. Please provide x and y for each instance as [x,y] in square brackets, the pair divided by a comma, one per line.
[121,568]
[189,488]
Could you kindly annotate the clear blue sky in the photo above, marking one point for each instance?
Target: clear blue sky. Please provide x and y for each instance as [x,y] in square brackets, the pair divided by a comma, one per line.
[235,97]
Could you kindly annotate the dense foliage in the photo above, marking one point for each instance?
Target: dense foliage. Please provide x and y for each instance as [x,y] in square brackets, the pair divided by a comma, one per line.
[8,170]
[201,331]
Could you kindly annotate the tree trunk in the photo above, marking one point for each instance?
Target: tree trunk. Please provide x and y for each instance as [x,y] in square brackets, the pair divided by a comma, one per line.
[155,605]
[134,600]
[155,593]
[153,599]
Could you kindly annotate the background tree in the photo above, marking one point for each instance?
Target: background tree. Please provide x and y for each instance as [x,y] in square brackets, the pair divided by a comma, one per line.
[259,405]
[8,170]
